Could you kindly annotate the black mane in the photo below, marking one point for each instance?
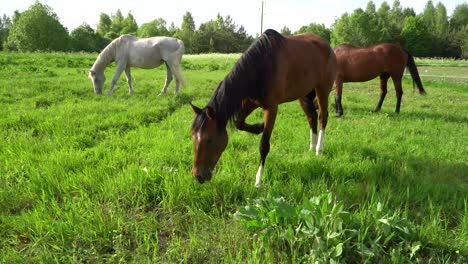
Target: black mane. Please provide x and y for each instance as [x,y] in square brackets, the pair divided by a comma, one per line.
[249,78]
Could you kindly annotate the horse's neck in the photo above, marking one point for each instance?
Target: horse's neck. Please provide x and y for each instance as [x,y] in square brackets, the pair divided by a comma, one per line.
[226,104]
[105,58]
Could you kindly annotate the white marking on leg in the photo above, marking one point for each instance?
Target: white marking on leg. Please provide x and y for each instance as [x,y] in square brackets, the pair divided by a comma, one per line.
[319,147]
[258,181]
[313,140]
[199,136]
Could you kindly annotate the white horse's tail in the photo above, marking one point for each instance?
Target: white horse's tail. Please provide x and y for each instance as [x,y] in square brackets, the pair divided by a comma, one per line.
[181,52]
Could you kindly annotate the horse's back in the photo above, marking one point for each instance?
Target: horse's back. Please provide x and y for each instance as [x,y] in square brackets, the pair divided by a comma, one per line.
[148,52]
[356,64]
[309,63]
[309,52]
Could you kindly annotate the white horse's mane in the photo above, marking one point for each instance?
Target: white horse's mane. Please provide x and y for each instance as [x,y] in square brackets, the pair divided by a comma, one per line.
[106,56]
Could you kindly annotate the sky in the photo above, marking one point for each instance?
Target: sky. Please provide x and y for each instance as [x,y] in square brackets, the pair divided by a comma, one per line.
[277,13]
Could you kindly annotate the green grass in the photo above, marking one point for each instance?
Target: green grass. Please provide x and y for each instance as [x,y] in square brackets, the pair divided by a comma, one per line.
[87,178]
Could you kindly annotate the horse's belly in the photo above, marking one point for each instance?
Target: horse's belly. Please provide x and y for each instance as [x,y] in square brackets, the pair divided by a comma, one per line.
[360,77]
[146,64]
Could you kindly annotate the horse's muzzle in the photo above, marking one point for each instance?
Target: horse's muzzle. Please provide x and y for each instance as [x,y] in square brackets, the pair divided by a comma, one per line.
[203,176]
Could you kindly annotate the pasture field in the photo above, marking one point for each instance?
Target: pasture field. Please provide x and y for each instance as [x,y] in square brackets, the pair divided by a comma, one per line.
[95,179]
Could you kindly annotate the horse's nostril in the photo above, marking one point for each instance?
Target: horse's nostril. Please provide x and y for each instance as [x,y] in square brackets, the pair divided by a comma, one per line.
[200,178]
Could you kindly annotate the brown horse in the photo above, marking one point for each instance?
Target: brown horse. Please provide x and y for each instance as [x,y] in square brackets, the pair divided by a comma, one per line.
[364,64]
[272,71]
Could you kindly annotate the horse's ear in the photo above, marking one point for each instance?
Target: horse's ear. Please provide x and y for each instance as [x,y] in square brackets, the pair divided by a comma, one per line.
[210,112]
[195,109]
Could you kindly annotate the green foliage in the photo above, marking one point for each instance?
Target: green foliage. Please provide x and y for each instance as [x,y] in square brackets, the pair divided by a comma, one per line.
[104,25]
[309,232]
[83,38]
[446,35]
[459,18]
[38,28]
[110,28]
[285,31]
[187,32]
[416,36]
[154,28]
[117,25]
[320,230]
[221,35]
[5,24]
[355,29]
[318,29]
[130,25]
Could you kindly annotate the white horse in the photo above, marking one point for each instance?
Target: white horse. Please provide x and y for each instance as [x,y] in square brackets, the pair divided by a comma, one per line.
[129,51]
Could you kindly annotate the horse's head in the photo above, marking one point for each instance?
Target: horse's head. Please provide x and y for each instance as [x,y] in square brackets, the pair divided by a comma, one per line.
[209,141]
[98,79]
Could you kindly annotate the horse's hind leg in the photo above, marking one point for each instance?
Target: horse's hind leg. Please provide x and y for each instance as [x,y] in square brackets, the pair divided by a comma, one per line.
[322,100]
[399,92]
[308,106]
[383,90]
[168,78]
[338,93]
[174,64]
[129,79]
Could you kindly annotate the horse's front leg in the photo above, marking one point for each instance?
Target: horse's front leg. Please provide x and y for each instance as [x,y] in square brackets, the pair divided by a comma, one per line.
[118,71]
[269,115]
[129,79]
[247,108]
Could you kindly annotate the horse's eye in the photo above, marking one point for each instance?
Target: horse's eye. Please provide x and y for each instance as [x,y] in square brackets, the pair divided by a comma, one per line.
[209,141]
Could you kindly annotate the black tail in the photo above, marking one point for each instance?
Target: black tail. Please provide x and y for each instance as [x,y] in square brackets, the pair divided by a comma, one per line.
[414,73]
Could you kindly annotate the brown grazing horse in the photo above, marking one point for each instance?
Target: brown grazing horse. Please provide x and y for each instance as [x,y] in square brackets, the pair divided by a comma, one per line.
[364,64]
[272,71]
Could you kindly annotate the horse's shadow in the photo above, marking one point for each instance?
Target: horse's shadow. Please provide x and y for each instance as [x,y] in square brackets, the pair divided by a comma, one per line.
[412,115]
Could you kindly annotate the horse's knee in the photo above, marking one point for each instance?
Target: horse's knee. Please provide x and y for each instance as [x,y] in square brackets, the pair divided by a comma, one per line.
[240,124]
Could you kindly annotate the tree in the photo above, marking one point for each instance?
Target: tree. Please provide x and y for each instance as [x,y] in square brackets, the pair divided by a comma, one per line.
[429,14]
[172,31]
[5,24]
[221,35]
[354,29]
[318,29]
[459,17]
[83,38]
[104,25]
[154,28]
[129,25]
[285,31]
[38,28]
[387,31]
[459,31]
[117,25]
[442,43]
[187,32]
[416,36]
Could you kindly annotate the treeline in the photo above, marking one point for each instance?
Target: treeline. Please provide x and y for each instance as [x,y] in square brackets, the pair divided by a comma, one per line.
[430,34]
